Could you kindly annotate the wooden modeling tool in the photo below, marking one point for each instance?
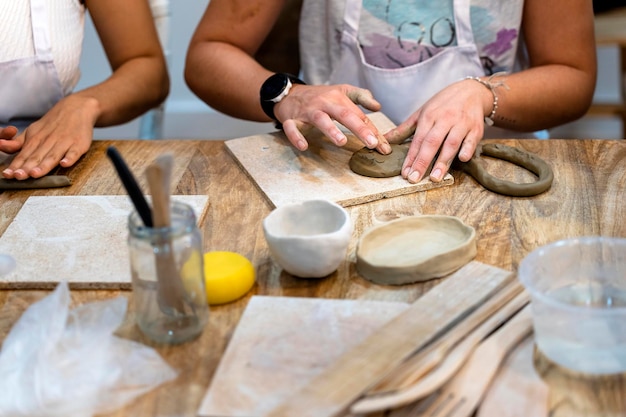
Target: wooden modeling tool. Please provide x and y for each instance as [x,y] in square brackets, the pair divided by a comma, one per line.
[170,290]
[432,315]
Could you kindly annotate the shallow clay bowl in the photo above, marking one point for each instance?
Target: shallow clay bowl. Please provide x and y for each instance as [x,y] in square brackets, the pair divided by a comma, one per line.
[308,239]
[415,248]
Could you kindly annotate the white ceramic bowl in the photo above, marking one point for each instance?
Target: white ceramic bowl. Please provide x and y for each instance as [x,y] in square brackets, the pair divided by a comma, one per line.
[308,239]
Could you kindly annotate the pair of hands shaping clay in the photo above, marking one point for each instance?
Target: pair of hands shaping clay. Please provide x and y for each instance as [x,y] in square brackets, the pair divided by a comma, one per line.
[370,163]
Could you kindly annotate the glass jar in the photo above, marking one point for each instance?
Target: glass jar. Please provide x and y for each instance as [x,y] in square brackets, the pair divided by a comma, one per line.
[167,271]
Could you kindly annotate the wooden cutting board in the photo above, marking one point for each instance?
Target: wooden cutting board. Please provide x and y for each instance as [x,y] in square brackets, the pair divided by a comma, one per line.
[285,175]
[78,239]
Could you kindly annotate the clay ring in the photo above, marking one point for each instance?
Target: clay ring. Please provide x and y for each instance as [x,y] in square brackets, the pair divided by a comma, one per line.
[516,156]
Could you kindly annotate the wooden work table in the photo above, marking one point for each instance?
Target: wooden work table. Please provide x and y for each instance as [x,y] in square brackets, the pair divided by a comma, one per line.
[587,198]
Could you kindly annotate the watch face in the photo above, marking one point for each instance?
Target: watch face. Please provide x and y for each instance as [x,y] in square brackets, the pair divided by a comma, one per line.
[273,86]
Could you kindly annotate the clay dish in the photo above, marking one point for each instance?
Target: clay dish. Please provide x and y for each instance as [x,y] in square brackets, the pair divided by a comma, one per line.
[308,239]
[415,248]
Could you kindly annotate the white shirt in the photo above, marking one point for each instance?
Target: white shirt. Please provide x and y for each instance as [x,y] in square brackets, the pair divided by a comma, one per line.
[66,24]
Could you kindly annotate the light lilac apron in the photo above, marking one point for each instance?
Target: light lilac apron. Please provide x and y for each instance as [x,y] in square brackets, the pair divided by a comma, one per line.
[29,87]
[412,85]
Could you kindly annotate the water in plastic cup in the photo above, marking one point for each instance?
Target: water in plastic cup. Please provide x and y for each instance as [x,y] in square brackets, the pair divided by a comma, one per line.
[578,296]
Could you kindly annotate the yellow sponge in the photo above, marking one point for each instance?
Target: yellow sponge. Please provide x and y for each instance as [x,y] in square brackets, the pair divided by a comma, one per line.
[227,276]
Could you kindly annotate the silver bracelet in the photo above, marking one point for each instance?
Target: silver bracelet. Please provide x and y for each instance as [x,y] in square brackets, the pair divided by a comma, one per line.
[489,120]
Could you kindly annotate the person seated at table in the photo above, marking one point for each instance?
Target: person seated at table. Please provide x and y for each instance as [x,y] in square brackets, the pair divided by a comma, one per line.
[42,121]
[533,66]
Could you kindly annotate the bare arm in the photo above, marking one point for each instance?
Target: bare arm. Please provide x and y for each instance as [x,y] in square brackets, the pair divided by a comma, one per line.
[139,80]
[220,68]
[558,87]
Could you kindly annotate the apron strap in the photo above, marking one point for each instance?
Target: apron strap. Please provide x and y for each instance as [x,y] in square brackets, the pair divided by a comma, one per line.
[462,22]
[39,22]
[351,17]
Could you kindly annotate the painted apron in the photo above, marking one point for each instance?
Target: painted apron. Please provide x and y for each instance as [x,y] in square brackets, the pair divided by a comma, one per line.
[30,86]
[415,84]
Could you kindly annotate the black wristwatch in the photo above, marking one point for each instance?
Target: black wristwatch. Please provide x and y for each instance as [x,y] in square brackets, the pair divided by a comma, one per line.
[274,89]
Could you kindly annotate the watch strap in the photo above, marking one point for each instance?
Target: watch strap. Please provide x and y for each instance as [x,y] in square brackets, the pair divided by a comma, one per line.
[268,103]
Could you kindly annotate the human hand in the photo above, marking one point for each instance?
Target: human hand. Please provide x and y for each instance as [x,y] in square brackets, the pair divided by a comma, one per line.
[450,123]
[8,132]
[319,106]
[61,136]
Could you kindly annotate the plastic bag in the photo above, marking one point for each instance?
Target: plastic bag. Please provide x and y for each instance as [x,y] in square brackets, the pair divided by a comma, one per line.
[61,362]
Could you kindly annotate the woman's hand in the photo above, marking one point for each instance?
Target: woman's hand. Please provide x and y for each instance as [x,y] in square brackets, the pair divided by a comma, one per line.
[320,106]
[8,132]
[61,136]
[450,123]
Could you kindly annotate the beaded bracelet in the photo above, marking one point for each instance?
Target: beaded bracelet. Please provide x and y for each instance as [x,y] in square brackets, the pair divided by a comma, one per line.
[489,120]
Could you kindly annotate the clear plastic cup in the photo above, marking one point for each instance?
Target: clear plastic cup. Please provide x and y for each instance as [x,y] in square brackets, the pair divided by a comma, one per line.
[578,294]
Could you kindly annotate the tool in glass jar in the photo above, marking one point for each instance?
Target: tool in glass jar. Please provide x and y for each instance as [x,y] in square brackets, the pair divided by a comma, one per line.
[170,290]
[131,186]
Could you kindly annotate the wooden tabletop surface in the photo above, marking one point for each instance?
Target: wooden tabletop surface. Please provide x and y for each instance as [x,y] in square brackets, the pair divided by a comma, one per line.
[586,198]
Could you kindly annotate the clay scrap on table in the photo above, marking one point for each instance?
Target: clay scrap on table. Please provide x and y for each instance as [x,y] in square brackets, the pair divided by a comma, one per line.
[49,181]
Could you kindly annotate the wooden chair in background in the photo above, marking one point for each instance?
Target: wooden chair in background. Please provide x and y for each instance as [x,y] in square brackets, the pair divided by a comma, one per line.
[611,31]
